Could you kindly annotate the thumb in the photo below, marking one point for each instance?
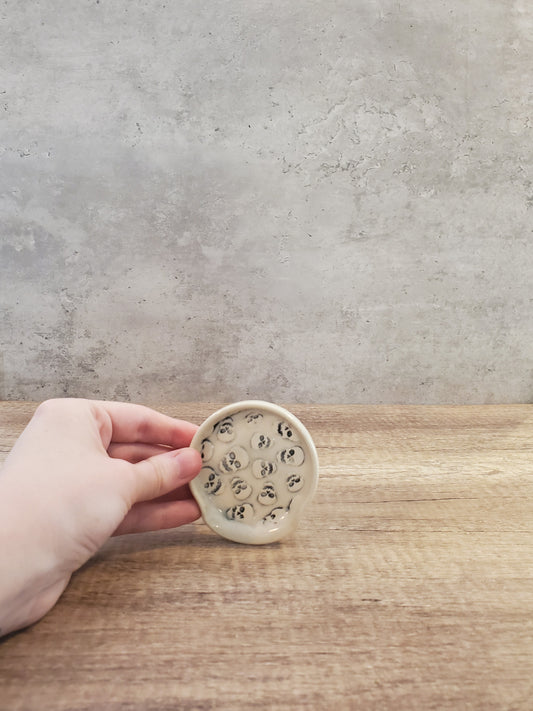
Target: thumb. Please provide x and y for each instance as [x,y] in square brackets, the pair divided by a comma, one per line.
[163,473]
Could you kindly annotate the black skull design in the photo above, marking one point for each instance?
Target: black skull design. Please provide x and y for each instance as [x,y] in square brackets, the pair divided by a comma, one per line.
[295,482]
[207,450]
[294,456]
[241,489]
[224,430]
[267,495]
[213,483]
[262,468]
[260,441]
[237,458]
[286,431]
[241,512]
[276,515]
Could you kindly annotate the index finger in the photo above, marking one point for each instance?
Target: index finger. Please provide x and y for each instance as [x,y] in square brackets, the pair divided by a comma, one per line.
[138,423]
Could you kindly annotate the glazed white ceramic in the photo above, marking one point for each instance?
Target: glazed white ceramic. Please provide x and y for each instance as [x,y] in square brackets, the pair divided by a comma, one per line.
[260,469]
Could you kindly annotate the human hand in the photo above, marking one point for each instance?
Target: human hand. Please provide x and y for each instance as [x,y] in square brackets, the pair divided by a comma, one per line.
[80,472]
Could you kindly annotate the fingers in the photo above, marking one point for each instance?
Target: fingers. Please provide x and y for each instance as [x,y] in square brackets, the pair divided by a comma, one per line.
[137,423]
[164,473]
[183,492]
[134,452]
[150,516]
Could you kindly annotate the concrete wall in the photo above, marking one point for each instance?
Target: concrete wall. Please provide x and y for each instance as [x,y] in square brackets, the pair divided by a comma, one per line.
[326,200]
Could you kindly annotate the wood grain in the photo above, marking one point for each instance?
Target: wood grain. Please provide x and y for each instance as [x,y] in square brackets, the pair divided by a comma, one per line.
[408,584]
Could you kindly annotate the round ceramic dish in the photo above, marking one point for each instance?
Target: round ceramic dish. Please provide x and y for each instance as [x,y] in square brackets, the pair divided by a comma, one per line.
[260,469]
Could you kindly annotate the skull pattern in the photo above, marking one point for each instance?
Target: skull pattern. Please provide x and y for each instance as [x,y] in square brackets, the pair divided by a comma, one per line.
[262,468]
[285,430]
[260,441]
[241,512]
[240,488]
[294,456]
[225,430]
[267,495]
[295,482]
[277,514]
[235,459]
[251,472]
[213,483]
[207,450]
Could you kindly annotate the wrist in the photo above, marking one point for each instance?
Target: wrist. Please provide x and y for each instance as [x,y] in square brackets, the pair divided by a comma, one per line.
[29,580]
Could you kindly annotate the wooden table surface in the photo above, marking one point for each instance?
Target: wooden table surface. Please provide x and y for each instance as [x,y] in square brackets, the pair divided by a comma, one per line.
[408,584]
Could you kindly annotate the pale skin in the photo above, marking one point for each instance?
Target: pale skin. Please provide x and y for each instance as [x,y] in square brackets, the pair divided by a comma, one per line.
[83,471]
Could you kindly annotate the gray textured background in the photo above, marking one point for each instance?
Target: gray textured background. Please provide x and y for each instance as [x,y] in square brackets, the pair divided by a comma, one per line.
[299,201]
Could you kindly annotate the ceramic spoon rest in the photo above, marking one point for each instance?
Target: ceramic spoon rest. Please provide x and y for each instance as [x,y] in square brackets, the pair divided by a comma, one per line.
[260,469]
